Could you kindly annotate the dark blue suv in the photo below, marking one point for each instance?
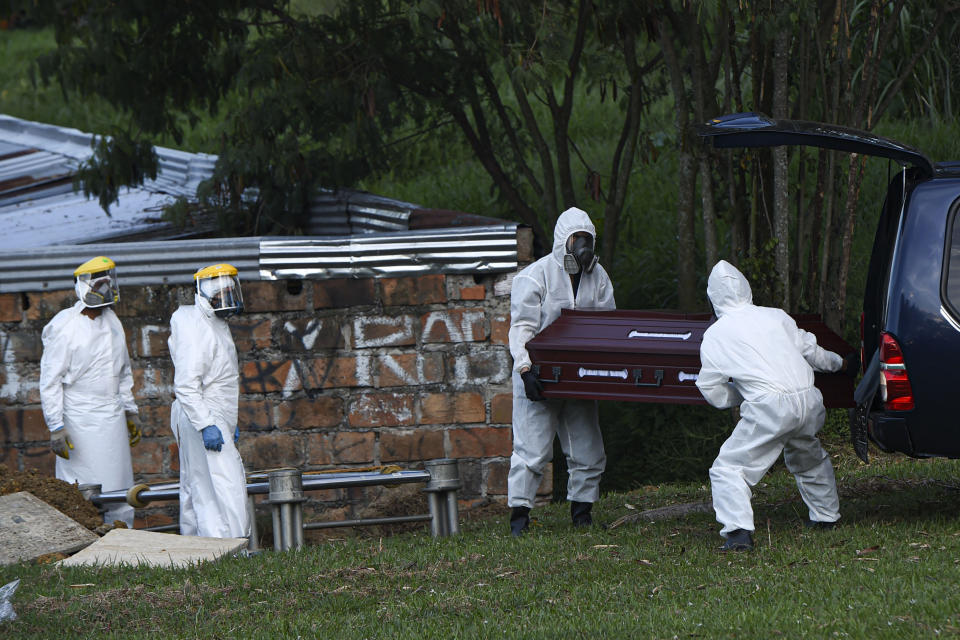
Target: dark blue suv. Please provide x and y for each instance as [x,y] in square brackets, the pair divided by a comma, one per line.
[910,327]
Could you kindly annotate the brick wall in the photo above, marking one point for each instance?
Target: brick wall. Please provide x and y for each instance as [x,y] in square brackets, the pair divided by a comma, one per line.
[335,374]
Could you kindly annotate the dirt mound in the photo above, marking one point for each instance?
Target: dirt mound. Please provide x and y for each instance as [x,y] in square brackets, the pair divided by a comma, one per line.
[405,500]
[62,496]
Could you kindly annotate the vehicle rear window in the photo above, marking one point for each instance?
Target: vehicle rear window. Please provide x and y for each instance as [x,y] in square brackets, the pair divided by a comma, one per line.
[951,290]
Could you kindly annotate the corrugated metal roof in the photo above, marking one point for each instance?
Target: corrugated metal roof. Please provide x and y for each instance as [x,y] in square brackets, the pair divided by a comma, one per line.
[38,206]
[489,249]
[485,249]
[347,212]
[138,263]
[49,229]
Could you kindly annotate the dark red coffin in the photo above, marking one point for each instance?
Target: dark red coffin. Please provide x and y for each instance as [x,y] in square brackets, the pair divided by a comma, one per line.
[647,356]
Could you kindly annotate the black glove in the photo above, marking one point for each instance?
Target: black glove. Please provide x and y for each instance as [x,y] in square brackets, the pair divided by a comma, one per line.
[532,385]
[851,363]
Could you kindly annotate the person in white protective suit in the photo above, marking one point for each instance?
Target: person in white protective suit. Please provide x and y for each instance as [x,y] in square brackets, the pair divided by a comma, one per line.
[213,488]
[757,358]
[86,387]
[568,278]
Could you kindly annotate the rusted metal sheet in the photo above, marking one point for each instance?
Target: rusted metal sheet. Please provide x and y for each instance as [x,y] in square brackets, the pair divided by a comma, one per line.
[647,356]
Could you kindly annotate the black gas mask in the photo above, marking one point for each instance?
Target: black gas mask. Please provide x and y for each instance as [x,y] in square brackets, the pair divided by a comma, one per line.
[579,256]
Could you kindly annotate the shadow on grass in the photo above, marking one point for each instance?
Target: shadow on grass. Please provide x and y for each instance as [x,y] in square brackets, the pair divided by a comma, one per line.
[877,500]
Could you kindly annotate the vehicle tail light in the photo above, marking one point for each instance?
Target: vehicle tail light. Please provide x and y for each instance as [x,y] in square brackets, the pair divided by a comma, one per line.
[895,389]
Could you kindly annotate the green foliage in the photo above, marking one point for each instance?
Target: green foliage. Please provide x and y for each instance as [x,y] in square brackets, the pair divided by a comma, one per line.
[115,163]
[654,443]
[304,95]
[761,274]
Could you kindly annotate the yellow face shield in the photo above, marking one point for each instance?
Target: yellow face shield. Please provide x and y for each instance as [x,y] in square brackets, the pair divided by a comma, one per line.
[97,289]
[223,293]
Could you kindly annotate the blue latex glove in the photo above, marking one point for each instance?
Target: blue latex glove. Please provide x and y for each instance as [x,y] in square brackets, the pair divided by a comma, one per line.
[236,434]
[212,439]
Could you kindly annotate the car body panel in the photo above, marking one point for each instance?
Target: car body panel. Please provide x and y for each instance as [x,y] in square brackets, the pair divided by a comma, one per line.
[905,289]
[916,317]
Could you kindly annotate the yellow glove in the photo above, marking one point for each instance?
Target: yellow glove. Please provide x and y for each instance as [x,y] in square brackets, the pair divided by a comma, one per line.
[60,443]
[133,428]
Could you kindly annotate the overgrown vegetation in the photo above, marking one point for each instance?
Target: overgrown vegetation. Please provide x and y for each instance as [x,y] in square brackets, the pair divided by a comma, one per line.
[890,571]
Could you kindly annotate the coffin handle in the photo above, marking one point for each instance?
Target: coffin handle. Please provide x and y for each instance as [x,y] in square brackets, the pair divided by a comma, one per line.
[554,370]
[657,374]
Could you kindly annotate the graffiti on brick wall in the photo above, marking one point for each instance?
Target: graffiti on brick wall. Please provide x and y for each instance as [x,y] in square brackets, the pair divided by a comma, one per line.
[459,326]
[306,336]
[12,383]
[145,333]
[391,364]
[385,331]
[297,373]
[153,383]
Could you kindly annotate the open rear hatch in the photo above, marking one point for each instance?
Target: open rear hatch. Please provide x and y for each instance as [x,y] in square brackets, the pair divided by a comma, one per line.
[757,130]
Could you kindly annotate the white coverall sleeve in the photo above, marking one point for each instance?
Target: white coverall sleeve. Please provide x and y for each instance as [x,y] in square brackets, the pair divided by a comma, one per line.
[714,384]
[605,292]
[54,364]
[126,377]
[189,360]
[526,298]
[818,357]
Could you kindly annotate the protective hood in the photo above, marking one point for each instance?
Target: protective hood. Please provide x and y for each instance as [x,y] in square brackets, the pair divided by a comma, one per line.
[727,288]
[570,222]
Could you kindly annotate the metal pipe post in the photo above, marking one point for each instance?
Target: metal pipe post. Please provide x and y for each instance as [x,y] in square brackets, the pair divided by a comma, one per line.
[277,534]
[453,514]
[442,489]
[286,500]
[438,516]
[253,544]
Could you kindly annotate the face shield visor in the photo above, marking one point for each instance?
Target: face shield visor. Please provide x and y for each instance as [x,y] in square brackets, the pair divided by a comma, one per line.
[97,289]
[223,294]
[579,255]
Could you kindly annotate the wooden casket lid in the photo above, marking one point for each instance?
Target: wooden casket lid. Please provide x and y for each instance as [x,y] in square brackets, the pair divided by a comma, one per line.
[618,331]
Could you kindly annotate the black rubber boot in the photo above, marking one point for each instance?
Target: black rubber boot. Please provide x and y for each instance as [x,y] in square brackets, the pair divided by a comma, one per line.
[817,524]
[580,513]
[519,520]
[738,540]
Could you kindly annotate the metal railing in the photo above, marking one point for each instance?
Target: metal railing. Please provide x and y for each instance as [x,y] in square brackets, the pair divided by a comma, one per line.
[285,494]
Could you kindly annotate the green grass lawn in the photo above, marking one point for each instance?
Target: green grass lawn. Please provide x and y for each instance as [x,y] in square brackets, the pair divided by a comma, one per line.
[890,571]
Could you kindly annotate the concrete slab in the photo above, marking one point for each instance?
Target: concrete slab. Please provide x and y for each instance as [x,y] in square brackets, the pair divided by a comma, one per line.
[30,528]
[137,547]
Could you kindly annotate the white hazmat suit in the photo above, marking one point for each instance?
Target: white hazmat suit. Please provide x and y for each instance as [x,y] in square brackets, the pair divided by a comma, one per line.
[758,358]
[213,489]
[86,385]
[538,294]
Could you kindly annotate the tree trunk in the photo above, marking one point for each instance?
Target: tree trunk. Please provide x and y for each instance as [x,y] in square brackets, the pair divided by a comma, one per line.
[687,297]
[816,225]
[834,317]
[686,177]
[781,200]
[626,150]
[709,211]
